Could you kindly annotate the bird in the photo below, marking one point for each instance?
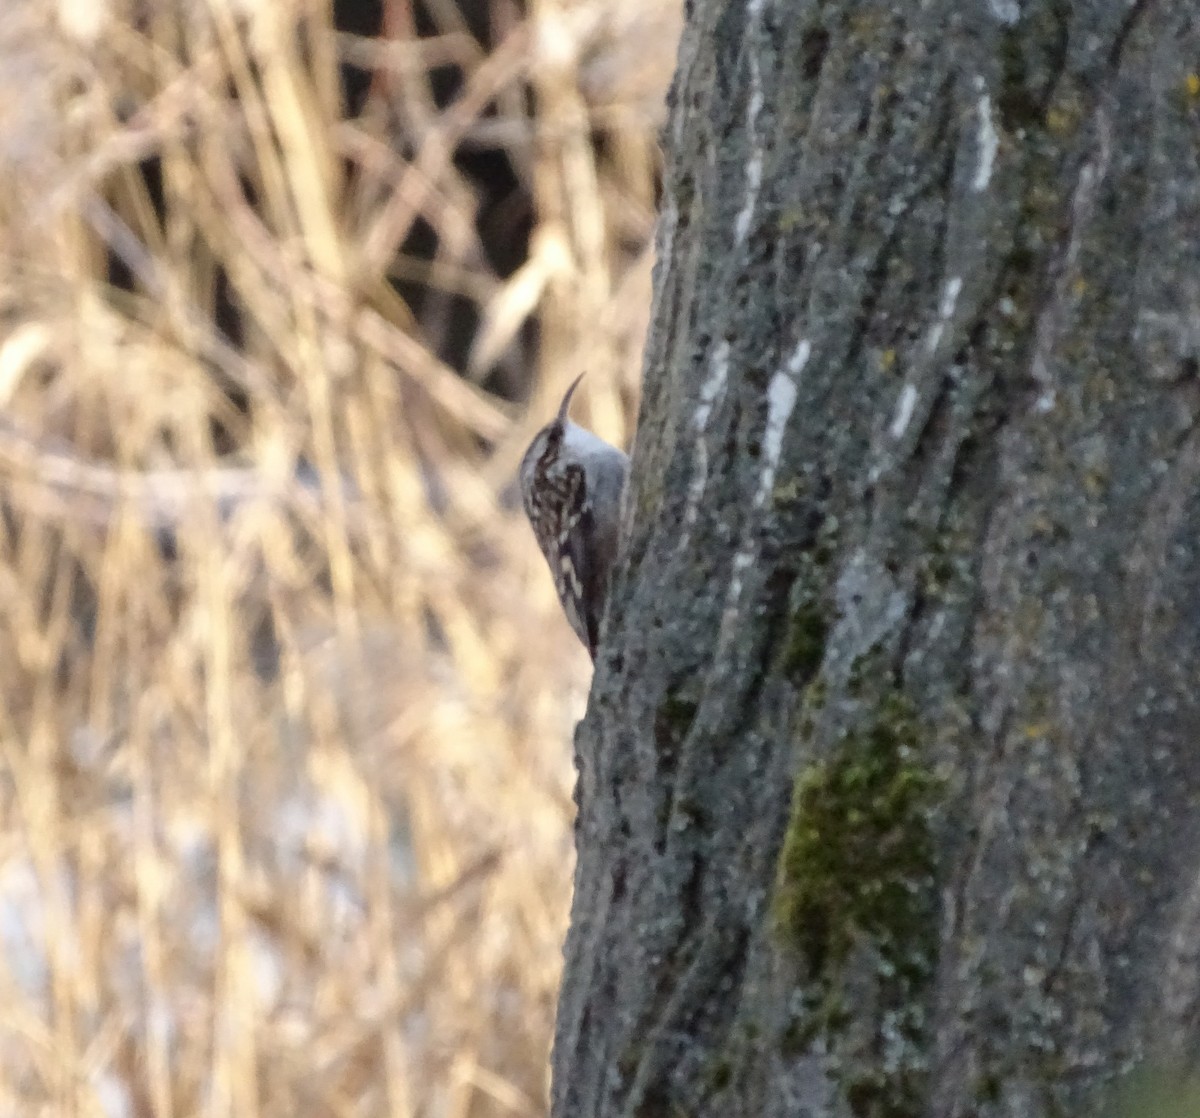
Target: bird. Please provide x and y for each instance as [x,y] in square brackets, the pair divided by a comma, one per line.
[572,487]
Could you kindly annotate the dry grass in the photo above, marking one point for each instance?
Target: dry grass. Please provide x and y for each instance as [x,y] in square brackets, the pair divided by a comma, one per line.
[285,697]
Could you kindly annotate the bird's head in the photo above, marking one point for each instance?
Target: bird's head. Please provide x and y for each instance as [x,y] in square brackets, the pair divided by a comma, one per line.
[545,450]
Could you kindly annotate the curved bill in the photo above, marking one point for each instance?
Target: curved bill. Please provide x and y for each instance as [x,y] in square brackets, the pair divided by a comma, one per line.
[562,410]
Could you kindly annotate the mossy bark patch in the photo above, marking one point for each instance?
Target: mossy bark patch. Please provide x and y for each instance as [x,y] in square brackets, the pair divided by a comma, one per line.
[857,860]
[857,881]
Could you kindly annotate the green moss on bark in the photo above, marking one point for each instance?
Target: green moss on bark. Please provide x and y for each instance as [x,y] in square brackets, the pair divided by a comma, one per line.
[807,620]
[856,895]
[805,646]
[857,859]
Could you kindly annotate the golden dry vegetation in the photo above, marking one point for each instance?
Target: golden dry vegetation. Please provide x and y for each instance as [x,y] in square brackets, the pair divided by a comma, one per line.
[285,696]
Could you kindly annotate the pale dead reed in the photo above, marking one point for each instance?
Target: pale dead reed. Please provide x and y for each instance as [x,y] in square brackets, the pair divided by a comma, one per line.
[285,695]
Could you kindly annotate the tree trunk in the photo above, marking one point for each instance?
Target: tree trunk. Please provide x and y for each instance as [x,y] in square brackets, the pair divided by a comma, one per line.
[890,778]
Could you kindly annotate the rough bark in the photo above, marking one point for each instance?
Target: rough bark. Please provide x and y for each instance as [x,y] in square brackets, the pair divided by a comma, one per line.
[890,777]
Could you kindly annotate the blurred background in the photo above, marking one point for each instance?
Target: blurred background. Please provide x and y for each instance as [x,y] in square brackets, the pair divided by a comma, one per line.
[286,698]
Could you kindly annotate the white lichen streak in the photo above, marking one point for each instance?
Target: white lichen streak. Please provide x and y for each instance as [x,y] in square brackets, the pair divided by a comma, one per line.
[781,399]
[710,390]
[1006,11]
[989,145]
[946,307]
[713,385]
[754,167]
[904,412]
[1052,318]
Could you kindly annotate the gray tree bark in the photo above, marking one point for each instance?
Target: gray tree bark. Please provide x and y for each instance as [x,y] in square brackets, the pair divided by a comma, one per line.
[890,780]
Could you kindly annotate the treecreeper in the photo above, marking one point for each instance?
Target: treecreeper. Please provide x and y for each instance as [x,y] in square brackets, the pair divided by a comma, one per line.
[572,483]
